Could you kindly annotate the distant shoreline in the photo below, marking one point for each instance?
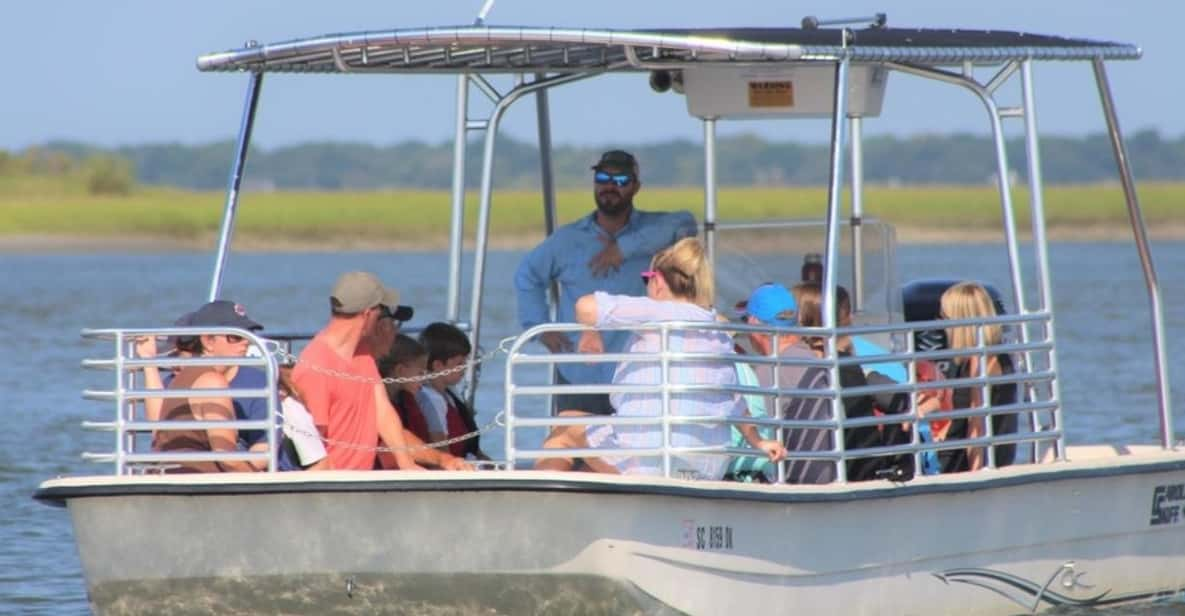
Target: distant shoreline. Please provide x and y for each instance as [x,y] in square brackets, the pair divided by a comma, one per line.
[132,244]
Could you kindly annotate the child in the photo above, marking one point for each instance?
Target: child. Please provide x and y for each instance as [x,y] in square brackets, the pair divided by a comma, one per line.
[448,347]
[406,358]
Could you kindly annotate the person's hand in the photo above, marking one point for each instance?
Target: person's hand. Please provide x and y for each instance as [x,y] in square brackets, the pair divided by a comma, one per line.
[607,261]
[406,463]
[556,342]
[453,463]
[146,347]
[591,342]
[774,449]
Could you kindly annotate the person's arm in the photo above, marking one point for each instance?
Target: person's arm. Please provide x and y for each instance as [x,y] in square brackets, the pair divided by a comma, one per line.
[772,448]
[435,457]
[659,231]
[146,349]
[391,429]
[532,281]
[219,408]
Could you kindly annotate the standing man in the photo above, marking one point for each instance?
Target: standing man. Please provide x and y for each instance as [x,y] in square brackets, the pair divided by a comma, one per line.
[605,251]
[339,381]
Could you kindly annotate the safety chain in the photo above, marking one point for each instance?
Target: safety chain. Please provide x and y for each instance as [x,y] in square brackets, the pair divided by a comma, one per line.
[285,357]
[497,422]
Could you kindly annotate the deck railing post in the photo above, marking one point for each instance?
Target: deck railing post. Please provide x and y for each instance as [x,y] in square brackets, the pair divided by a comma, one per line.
[1134,213]
[234,183]
[665,368]
[831,258]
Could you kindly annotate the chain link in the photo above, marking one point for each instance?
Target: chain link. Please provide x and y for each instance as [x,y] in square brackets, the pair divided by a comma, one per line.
[497,422]
[274,348]
[288,358]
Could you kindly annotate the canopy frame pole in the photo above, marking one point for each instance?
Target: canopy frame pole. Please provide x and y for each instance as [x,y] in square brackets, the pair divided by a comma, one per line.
[857,221]
[1006,209]
[457,223]
[831,256]
[1041,248]
[481,239]
[710,189]
[1135,214]
[234,182]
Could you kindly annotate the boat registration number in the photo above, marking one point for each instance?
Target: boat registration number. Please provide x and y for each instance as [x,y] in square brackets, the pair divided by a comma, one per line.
[1167,503]
[706,536]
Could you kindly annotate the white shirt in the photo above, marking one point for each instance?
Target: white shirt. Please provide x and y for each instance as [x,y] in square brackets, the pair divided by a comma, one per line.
[298,426]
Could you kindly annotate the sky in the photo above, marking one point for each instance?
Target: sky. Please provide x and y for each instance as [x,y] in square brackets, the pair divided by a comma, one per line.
[122,72]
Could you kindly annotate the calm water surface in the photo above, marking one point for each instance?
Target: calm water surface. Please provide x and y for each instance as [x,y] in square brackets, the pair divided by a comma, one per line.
[1102,330]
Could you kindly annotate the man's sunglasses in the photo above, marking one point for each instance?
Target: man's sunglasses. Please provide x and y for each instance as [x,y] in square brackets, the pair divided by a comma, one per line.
[620,179]
[234,338]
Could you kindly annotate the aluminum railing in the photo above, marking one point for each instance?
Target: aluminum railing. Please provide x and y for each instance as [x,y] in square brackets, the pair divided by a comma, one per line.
[130,395]
[1032,375]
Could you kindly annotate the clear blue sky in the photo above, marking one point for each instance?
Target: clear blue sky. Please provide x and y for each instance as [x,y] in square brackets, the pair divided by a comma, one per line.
[123,72]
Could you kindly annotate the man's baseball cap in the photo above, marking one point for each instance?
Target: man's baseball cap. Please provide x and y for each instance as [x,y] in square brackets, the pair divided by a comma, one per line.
[357,291]
[617,159]
[773,304]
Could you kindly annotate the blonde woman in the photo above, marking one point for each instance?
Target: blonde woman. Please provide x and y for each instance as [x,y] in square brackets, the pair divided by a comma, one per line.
[968,300]
[679,287]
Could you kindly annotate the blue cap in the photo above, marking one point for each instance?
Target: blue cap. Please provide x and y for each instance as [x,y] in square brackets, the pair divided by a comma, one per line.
[769,301]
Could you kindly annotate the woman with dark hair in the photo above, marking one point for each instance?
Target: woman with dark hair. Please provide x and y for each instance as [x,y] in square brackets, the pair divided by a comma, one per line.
[810,314]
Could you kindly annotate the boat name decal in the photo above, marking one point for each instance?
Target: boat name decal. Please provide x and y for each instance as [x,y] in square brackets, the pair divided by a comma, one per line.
[706,536]
[1167,503]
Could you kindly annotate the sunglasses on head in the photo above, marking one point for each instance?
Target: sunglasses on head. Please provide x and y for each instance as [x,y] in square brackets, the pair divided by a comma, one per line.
[648,274]
[620,179]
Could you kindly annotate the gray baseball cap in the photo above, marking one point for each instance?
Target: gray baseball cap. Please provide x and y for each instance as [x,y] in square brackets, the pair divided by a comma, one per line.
[357,291]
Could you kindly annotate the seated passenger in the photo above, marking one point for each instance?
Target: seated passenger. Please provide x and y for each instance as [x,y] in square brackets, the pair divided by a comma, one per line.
[302,446]
[406,359]
[446,413]
[769,304]
[968,300]
[214,408]
[679,287]
[810,314]
[352,412]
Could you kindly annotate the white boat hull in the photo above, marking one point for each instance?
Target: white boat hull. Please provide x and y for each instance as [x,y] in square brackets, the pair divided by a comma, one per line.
[1006,541]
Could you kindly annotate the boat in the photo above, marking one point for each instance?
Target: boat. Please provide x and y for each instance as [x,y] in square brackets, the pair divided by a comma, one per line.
[1067,525]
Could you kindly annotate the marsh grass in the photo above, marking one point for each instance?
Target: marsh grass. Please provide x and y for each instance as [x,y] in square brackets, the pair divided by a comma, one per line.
[32,207]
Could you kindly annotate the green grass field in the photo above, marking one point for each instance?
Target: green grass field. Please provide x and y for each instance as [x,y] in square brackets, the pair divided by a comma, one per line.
[30,207]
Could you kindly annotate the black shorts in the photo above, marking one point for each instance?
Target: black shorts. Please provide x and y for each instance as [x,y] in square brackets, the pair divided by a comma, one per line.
[594,404]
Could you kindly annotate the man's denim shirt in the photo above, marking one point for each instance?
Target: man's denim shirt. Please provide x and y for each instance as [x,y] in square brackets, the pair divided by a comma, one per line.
[564,257]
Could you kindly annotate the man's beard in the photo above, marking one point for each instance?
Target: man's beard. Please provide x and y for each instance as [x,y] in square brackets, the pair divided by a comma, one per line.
[612,204]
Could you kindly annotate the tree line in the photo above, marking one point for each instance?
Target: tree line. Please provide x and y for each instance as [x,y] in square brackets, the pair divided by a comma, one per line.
[745,160]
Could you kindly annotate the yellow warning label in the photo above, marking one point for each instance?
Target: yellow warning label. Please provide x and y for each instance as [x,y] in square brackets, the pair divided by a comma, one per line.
[771,94]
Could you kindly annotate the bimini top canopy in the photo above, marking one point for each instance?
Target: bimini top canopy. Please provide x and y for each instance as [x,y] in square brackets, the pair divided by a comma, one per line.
[533,49]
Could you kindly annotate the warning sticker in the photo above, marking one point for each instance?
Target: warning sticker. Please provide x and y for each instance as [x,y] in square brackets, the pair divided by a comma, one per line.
[771,94]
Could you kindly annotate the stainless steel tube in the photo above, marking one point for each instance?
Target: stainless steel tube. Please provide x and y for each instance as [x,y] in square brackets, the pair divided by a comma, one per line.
[234,182]
[831,258]
[1167,437]
[857,221]
[1041,248]
[710,188]
[457,223]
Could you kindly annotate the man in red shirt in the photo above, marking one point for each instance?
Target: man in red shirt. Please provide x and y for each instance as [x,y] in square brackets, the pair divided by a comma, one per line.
[339,381]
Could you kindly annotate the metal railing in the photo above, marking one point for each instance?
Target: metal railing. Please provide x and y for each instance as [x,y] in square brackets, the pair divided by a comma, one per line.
[130,395]
[1033,375]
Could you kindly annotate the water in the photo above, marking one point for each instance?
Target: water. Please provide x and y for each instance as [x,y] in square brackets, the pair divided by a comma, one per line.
[1105,354]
